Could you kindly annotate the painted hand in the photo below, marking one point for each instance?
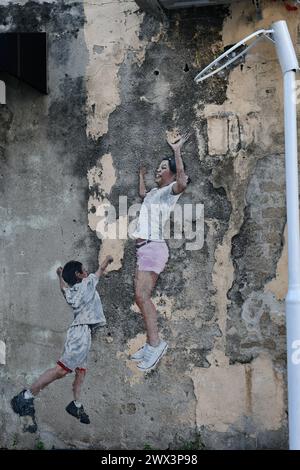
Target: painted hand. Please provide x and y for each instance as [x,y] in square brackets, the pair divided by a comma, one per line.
[59,271]
[180,140]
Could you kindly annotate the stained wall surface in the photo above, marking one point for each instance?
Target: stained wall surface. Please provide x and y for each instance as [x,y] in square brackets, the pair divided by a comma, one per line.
[120,81]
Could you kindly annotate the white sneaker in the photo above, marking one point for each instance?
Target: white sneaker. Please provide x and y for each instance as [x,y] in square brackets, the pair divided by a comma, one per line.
[139,355]
[152,355]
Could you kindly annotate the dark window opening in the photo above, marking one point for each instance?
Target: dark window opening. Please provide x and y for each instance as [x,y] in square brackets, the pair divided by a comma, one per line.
[24,55]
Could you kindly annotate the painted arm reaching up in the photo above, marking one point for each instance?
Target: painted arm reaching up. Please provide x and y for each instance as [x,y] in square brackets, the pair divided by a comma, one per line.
[62,284]
[102,267]
[181,177]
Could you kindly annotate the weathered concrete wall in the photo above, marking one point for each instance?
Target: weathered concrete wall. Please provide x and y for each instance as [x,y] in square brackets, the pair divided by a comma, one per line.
[118,81]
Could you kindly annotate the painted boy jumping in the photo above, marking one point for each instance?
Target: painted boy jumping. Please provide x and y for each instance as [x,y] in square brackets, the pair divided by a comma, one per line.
[79,290]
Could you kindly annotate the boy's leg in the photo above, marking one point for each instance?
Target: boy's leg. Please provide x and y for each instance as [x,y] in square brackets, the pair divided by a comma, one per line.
[75,408]
[47,378]
[78,381]
[81,344]
[22,404]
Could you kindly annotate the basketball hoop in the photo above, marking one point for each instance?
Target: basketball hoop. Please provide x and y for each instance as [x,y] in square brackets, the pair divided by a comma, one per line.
[233,54]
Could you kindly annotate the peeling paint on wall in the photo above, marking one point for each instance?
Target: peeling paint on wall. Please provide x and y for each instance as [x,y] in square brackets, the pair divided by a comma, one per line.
[120,82]
[2,352]
[113,26]
[279,285]
[101,180]
[115,29]
[219,411]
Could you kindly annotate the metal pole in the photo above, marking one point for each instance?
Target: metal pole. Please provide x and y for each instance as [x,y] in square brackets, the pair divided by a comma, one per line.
[289,65]
[293,295]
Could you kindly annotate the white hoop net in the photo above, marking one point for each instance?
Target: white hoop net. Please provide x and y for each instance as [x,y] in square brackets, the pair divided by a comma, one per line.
[234,54]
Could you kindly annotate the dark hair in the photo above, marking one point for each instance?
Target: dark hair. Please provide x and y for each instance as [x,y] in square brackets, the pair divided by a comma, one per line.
[172,165]
[69,270]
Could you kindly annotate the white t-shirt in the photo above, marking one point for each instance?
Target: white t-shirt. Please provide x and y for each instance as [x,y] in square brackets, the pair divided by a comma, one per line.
[155,212]
[85,302]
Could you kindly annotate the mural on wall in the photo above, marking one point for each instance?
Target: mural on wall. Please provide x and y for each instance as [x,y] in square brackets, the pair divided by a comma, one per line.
[121,84]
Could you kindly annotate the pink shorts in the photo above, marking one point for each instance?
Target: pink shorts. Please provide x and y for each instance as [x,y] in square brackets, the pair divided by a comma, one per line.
[152,256]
